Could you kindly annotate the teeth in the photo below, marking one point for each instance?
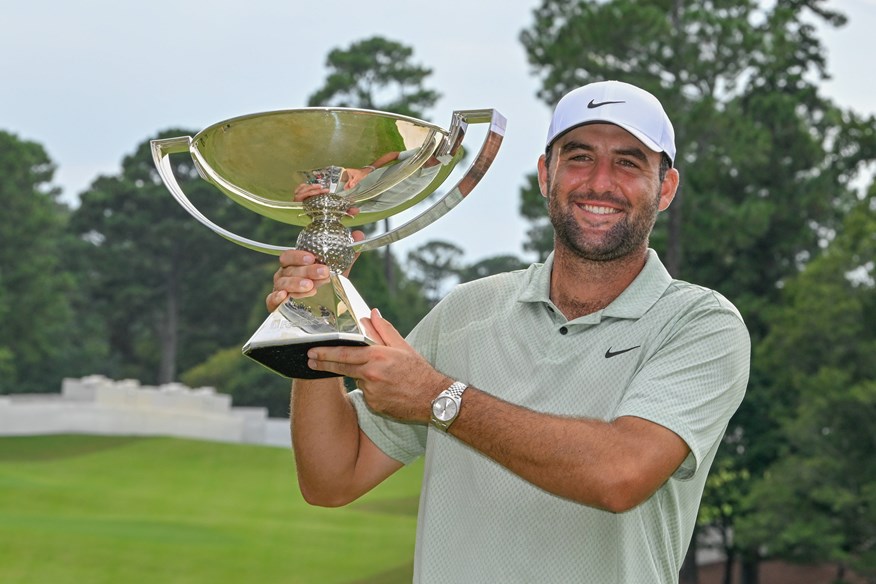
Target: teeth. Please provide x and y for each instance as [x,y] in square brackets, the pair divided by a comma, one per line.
[600,210]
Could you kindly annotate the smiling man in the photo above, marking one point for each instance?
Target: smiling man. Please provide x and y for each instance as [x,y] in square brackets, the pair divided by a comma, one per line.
[568,413]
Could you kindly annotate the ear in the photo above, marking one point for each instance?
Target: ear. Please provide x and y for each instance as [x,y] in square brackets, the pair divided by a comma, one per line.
[668,188]
[542,176]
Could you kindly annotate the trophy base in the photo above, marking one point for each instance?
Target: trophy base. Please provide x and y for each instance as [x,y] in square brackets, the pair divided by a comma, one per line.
[291,360]
[330,318]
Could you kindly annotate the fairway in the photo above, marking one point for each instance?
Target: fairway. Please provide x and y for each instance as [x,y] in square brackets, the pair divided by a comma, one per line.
[90,510]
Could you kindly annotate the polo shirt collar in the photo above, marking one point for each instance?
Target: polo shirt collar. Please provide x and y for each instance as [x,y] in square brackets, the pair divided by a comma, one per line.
[640,295]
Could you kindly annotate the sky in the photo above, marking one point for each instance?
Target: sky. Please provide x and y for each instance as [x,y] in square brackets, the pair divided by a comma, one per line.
[92,79]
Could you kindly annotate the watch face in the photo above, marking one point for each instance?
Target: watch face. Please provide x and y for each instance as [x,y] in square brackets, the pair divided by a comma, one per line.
[444,409]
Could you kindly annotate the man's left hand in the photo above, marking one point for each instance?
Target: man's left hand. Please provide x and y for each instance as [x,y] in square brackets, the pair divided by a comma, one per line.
[395,380]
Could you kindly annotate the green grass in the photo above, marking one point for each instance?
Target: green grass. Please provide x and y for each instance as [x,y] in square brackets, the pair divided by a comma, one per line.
[121,510]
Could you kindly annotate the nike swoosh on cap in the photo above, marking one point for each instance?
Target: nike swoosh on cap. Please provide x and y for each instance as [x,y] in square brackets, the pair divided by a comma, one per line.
[594,104]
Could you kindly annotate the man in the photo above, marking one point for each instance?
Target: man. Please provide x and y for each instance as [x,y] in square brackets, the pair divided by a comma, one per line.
[568,413]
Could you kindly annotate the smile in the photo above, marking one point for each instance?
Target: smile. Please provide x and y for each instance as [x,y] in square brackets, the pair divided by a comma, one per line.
[600,210]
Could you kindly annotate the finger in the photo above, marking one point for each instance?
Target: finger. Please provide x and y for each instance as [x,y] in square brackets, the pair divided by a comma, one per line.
[313,272]
[336,360]
[351,356]
[275,299]
[296,257]
[298,287]
[371,332]
[305,191]
[387,332]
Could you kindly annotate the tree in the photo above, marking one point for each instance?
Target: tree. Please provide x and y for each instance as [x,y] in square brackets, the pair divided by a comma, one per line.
[817,502]
[489,266]
[765,160]
[377,74]
[168,291]
[433,264]
[37,338]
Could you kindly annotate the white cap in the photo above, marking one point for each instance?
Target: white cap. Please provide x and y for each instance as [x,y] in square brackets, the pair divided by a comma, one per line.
[614,102]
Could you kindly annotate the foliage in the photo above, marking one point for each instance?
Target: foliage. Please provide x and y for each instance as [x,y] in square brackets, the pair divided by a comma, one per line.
[144,510]
[817,502]
[37,339]
[378,74]
[490,266]
[248,383]
[433,264]
[167,291]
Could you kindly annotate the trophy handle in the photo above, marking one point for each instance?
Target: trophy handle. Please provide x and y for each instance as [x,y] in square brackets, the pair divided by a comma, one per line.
[475,172]
[161,151]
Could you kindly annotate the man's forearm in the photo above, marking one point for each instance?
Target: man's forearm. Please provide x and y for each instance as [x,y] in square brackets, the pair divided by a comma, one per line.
[609,465]
[325,438]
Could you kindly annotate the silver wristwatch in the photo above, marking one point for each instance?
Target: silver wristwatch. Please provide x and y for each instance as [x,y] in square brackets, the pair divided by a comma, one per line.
[445,407]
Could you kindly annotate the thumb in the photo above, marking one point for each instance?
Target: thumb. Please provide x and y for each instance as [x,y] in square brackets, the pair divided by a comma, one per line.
[275,299]
[387,332]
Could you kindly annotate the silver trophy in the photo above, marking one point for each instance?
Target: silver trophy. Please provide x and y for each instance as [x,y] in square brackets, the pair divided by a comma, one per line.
[259,160]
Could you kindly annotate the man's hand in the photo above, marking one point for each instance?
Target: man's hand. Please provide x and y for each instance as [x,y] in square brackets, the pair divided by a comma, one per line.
[299,274]
[395,380]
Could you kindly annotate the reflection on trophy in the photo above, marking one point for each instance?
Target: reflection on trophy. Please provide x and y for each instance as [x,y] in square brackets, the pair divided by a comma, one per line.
[260,160]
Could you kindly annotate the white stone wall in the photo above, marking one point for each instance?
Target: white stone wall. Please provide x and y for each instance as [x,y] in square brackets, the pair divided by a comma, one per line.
[97,405]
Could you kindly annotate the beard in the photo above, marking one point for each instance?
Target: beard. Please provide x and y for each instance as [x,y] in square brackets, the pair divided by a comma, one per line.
[629,235]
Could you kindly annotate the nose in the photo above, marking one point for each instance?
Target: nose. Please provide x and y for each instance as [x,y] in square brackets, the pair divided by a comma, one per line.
[602,178]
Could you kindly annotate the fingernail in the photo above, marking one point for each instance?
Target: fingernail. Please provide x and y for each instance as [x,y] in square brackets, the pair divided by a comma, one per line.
[377,310]
[305,284]
[322,272]
[308,259]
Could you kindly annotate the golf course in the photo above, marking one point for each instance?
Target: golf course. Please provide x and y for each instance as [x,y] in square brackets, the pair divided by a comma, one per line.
[100,509]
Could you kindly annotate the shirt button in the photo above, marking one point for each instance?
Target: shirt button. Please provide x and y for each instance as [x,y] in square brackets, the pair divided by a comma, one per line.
[563,330]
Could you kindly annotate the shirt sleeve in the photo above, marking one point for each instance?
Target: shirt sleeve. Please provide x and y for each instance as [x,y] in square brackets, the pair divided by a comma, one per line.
[402,441]
[694,381]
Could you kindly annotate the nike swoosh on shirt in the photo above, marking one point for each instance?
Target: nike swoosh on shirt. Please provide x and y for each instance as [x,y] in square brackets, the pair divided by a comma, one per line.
[593,103]
[609,354]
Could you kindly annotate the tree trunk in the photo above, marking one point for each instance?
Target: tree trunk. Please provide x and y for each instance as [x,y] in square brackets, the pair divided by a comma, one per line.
[728,566]
[749,572]
[169,331]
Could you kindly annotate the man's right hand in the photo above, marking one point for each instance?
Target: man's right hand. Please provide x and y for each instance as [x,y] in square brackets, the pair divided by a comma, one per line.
[299,275]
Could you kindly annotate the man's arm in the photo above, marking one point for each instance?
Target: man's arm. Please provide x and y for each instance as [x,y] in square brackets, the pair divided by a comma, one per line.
[335,462]
[610,465]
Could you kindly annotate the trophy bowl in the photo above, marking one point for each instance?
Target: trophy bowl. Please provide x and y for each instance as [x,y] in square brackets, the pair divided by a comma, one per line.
[380,163]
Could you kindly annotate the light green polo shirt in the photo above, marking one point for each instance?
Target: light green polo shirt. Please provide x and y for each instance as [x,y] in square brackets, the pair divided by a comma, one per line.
[664,350]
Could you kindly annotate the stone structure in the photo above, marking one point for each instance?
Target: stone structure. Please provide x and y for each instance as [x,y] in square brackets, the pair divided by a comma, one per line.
[97,405]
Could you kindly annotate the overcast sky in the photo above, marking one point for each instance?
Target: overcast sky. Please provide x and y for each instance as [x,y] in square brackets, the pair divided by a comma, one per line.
[90,80]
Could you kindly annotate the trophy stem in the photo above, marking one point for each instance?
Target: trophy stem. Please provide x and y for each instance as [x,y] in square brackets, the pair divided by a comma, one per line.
[326,237]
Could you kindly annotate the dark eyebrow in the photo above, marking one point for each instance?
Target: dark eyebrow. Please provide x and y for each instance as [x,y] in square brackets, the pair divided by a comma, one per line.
[633,153]
[636,153]
[573,145]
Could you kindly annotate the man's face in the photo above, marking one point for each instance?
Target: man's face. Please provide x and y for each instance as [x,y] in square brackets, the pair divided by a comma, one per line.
[604,191]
